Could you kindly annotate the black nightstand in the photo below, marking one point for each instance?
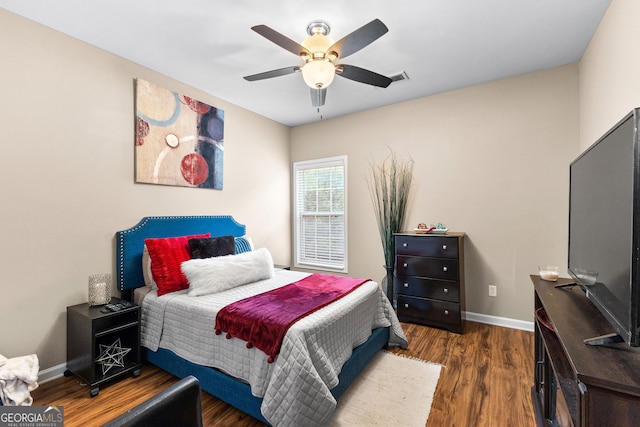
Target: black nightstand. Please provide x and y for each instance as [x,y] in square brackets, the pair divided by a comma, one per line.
[103,346]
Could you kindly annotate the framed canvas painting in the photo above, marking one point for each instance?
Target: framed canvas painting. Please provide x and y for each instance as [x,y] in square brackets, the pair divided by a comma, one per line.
[179,140]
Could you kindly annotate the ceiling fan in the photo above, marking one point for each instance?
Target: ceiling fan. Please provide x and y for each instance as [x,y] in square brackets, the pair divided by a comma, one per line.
[319,53]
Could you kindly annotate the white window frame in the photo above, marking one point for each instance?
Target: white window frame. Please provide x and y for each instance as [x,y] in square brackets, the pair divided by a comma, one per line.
[298,214]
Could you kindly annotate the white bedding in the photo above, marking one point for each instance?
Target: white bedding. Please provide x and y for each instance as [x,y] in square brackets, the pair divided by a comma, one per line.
[296,387]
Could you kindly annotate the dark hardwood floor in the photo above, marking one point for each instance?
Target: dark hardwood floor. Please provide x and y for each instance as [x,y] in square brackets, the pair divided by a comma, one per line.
[486,381]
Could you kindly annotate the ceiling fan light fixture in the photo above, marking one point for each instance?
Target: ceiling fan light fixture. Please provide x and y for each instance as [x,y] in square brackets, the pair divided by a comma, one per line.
[318,74]
[317,44]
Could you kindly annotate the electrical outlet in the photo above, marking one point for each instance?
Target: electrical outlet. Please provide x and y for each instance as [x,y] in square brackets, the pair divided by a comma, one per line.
[493,290]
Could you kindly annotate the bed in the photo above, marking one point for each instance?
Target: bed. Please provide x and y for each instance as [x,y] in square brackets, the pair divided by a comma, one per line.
[321,354]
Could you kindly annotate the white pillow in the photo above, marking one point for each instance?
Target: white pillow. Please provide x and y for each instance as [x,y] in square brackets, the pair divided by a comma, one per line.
[146,269]
[217,274]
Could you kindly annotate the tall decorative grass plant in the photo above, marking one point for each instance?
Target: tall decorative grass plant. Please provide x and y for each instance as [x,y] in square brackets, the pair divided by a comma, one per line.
[389,183]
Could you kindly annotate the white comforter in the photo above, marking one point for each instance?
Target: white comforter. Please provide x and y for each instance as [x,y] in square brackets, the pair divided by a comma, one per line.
[296,387]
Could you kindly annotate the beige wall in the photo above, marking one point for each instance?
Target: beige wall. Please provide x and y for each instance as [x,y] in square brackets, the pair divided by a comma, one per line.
[490,160]
[67,178]
[610,71]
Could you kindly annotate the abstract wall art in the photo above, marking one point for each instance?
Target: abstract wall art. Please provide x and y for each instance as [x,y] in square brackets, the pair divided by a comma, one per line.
[179,140]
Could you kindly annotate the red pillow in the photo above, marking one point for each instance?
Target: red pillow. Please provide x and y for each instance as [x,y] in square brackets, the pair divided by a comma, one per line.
[166,256]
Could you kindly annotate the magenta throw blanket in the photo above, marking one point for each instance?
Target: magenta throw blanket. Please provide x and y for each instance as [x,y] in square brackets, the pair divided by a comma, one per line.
[263,320]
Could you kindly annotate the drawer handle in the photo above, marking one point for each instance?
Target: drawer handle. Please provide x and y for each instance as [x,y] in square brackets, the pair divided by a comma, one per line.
[444,269]
[405,265]
[444,247]
[406,285]
[446,312]
[446,290]
[406,306]
[404,245]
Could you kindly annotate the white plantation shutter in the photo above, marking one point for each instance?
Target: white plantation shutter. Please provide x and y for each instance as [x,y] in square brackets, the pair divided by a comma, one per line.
[320,213]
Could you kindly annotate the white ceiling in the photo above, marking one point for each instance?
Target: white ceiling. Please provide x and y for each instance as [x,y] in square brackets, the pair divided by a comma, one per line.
[441,44]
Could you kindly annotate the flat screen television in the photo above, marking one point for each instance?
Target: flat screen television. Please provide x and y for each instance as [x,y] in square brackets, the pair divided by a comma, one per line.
[604,228]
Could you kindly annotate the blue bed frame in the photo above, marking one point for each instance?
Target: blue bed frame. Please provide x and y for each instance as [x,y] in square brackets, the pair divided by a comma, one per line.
[129,247]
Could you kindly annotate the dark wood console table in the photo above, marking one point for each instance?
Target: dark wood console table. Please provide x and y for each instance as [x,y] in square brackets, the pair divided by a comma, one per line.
[574,383]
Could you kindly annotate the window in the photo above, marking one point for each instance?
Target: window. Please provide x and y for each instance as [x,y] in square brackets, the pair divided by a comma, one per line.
[320,213]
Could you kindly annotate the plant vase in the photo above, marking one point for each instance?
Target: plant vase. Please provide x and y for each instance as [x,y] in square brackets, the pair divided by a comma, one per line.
[389,184]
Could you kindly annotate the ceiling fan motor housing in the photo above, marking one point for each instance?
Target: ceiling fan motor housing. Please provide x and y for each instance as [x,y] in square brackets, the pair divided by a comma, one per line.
[318,27]
[318,42]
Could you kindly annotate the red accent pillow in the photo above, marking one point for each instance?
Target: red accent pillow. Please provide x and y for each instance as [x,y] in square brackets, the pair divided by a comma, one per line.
[166,256]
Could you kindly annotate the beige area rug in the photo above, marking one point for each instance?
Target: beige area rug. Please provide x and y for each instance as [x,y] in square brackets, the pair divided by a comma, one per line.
[392,391]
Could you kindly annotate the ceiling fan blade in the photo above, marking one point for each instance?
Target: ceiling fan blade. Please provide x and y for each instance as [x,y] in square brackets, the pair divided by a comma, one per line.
[318,96]
[363,36]
[281,40]
[361,75]
[273,73]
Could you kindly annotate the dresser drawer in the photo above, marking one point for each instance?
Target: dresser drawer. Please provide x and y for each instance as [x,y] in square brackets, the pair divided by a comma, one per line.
[424,309]
[437,268]
[431,246]
[428,288]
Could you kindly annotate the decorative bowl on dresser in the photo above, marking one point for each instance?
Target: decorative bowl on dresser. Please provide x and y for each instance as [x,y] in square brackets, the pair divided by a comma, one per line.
[429,279]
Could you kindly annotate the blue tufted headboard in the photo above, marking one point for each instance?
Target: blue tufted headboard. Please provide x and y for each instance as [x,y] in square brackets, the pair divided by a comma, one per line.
[130,242]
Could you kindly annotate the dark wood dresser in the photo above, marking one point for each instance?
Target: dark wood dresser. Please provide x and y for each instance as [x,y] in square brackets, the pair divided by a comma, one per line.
[576,384]
[429,280]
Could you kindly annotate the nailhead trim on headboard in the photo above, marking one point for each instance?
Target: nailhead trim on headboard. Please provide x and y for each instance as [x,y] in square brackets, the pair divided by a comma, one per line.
[130,242]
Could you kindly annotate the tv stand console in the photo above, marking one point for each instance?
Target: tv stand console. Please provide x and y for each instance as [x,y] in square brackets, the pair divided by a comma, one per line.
[574,383]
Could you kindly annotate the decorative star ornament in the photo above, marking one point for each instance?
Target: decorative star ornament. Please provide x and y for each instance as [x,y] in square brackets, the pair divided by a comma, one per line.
[112,355]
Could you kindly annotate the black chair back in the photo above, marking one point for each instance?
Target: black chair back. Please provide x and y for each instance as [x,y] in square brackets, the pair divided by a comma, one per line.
[178,405]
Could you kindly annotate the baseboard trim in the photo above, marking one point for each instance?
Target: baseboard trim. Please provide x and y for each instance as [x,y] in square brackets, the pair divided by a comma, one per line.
[57,371]
[499,321]
[52,373]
